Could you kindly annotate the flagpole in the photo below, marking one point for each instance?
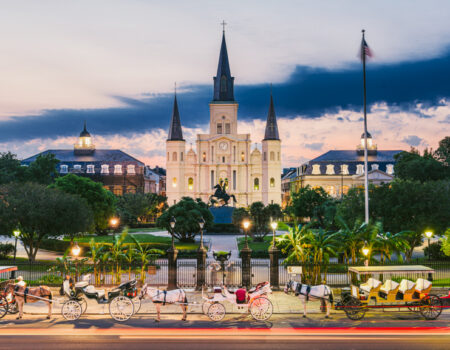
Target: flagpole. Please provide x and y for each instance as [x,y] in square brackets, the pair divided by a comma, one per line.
[366,175]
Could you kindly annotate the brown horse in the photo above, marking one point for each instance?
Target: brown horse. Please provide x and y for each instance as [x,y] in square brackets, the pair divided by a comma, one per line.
[34,294]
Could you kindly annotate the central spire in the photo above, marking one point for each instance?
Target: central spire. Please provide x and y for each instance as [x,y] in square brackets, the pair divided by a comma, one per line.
[175,132]
[271,132]
[223,81]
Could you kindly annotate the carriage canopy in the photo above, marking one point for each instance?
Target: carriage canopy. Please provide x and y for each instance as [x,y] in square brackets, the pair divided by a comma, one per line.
[368,270]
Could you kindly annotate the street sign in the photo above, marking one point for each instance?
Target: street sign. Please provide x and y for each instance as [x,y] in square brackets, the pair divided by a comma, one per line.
[294,270]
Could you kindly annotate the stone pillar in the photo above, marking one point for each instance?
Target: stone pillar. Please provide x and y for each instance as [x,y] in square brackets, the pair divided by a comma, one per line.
[274,271]
[246,256]
[201,268]
[172,268]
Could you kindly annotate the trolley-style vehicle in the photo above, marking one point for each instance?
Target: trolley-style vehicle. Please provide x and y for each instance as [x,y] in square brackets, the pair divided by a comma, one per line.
[122,300]
[255,301]
[409,291]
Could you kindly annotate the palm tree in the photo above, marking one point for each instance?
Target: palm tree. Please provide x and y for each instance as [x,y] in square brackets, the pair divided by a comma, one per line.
[389,243]
[293,243]
[145,254]
[352,239]
[115,253]
[129,255]
[96,254]
[104,258]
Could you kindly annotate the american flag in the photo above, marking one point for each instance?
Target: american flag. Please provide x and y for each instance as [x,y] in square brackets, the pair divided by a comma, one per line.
[365,49]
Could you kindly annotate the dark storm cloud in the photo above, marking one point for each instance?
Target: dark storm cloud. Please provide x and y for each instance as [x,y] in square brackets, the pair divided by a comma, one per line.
[309,92]
[413,140]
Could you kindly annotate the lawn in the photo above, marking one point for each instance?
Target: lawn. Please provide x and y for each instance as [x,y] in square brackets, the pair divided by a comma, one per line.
[255,246]
[148,229]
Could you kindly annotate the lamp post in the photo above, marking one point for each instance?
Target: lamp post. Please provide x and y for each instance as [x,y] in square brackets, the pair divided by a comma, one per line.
[366,252]
[201,224]
[246,225]
[172,257]
[201,258]
[16,234]
[273,255]
[172,223]
[75,252]
[246,256]
[274,225]
[114,223]
[429,234]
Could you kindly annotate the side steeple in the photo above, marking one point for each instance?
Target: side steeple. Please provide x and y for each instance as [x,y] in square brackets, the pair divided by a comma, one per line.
[223,81]
[175,132]
[271,124]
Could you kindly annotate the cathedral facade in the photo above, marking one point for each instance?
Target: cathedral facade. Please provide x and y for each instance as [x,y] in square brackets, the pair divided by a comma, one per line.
[224,155]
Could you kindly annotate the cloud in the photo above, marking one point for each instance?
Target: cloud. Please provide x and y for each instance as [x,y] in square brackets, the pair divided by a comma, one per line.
[315,146]
[413,140]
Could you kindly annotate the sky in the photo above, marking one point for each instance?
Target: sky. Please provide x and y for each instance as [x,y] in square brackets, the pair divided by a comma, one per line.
[114,64]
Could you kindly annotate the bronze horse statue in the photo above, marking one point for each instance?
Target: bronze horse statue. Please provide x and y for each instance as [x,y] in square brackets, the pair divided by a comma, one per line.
[221,194]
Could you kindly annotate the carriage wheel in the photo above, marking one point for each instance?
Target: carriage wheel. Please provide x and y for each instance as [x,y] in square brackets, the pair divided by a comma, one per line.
[121,308]
[3,306]
[216,312]
[354,309]
[137,304]
[13,308]
[431,307]
[261,308]
[205,307]
[83,304]
[71,310]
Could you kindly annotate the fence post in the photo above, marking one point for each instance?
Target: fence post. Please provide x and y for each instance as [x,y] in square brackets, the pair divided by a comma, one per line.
[172,268]
[274,271]
[246,256]
[201,267]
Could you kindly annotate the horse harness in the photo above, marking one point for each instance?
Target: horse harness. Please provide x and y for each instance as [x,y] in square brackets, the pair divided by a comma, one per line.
[298,290]
[25,293]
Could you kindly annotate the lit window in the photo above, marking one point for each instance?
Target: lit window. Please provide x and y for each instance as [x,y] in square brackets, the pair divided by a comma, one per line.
[375,166]
[131,189]
[272,182]
[174,156]
[64,169]
[330,190]
[219,128]
[242,157]
[344,189]
[90,169]
[204,156]
[174,182]
[316,169]
[190,183]
[344,169]
[118,169]
[256,184]
[227,128]
[390,169]
[330,169]
[77,167]
[118,190]
[272,156]
[131,169]
[359,169]
[105,169]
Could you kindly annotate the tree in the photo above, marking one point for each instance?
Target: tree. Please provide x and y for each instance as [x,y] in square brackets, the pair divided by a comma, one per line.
[140,207]
[100,200]
[239,215]
[43,169]
[442,154]
[310,203]
[446,242]
[10,168]
[38,212]
[187,212]
[145,255]
[413,166]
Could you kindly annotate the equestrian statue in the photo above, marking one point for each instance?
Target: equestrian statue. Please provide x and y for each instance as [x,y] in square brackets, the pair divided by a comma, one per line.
[221,195]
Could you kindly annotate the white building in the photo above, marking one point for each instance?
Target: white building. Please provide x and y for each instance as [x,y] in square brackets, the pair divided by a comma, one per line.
[224,154]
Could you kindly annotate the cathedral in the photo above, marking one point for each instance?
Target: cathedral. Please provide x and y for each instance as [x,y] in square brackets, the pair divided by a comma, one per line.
[224,155]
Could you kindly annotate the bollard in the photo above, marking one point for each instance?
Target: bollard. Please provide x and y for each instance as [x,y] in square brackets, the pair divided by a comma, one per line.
[201,267]
[246,256]
[172,268]
[274,279]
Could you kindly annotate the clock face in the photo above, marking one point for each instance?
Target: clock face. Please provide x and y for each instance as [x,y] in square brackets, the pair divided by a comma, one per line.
[223,146]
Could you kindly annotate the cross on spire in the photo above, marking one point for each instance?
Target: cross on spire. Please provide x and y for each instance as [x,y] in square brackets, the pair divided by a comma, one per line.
[223,23]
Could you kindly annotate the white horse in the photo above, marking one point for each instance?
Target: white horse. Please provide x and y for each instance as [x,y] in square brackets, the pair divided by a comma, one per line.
[306,292]
[164,297]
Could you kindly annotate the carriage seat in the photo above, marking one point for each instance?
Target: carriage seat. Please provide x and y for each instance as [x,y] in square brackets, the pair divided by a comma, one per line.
[406,290]
[389,290]
[99,293]
[241,296]
[423,285]
[372,285]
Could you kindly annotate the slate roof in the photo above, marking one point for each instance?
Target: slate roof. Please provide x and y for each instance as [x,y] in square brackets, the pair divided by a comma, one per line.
[271,132]
[175,132]
[223,70]
[98,156]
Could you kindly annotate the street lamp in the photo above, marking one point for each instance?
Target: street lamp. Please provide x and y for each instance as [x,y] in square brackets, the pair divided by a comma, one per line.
[114,222]
[246,225]
[172,223]
[274,225]
[366,252]
[16,234]
[201,223]
[75,252]
[429,234]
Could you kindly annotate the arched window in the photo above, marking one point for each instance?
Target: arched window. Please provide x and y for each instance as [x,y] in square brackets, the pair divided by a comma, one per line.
[242,157]
[204,156]
[272,156]
[265,156]
[390,169]
[330,169]
[344,169]
[64,169]
[359,169]
[223,84]
[174,182]
[190,183]
[272,182]
[256,184]
[118,169]
[131,169]
[181,157]
[375,166]
[77,167]
[219,128]
[105,169]
[227,128]
[174,156]
[316,169]
[90,169]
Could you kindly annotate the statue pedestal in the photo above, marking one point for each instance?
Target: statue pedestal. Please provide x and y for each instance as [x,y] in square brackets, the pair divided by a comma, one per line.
[222,215]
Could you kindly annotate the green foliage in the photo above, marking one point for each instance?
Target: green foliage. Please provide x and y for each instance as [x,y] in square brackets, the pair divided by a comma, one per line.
[435,251]
[187,213]
[443,152]
[6,249]
[10,168]
[55,245]
[413,166]
[446,242]
[43,169]
[145,255]
[139,207]
[239,215]
[100,200]
[38,212]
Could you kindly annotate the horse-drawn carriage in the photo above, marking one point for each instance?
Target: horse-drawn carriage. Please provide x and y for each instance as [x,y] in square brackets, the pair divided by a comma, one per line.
[391,294]
[122,300]
[8,302]
[255,301]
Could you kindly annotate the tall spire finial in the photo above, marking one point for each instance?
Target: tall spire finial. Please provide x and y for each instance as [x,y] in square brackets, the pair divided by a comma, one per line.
[223,23]
[175,87]
[270,89]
